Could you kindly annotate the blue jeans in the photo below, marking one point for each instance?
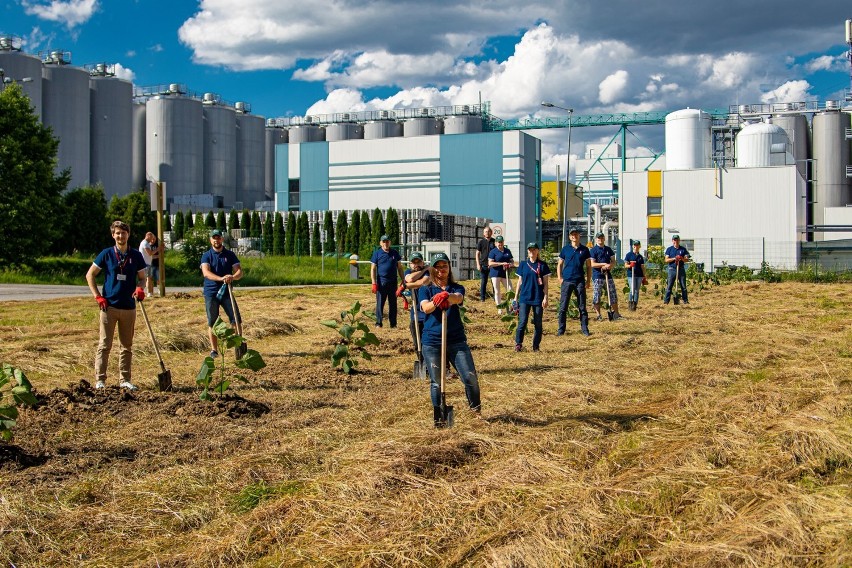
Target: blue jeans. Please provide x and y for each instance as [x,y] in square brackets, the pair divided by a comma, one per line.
[568,288]
[386,293]
[212,304]
[681,283]
[634,291]
[483,283]
[459,355]
[523,318]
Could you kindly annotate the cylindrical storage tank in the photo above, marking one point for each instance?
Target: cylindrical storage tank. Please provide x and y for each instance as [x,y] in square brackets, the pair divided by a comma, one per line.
[463,124]
[831,156]
[760,145]
[251,156]
[424,126]
[382,129]
[174,143]
[19,67]
[343,131]
[111,134]
[65,108]
[796,127]
[306,133]
[220,152]
[273,136]
[138,146]
[688,141]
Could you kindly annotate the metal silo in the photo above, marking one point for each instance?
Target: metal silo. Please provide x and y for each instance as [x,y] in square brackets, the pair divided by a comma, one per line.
[138,146]
[251,156]
[796,127]
[273,136]
[831,156]
[382,129]
[462,124]
[23,69]
[174,142]
[306,133]
[344,131]
[111,130]
[65,108]
[688,140]
[760,145]
[220,149]
[422,126]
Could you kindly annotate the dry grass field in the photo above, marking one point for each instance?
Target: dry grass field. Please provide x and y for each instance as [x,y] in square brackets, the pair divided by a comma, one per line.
[714,434]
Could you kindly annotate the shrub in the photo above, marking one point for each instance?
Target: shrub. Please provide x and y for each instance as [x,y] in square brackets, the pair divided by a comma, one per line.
[352,322]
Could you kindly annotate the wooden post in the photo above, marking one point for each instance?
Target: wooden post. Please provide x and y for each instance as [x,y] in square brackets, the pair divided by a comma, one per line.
[162,260]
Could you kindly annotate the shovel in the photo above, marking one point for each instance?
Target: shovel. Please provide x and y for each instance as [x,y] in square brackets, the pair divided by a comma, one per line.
[447,414]
[242,348]
[419,370]
[609,313]
[676,284]
[164,377]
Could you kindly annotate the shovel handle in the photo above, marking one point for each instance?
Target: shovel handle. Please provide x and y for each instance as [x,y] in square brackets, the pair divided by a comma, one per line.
[151,334]
[416,322]
[237,318]
[443,349]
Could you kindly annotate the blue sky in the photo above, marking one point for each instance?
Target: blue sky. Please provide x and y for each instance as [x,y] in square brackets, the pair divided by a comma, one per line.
[291,57]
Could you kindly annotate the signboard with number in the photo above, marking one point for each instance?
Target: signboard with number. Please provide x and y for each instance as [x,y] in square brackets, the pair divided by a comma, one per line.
[498,230]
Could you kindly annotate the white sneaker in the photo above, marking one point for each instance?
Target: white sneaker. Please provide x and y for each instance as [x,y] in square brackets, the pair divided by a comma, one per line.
[127,385]
[100,385]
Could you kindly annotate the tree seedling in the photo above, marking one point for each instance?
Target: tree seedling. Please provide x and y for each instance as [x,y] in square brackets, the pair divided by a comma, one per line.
[228,339]
[356,335]
[14,382]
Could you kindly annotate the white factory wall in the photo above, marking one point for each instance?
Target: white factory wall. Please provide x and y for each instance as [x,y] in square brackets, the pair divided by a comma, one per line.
[633,207]
[838,216]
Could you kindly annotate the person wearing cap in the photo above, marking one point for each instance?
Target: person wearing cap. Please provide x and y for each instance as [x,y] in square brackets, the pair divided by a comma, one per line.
[635,265]
[220,267]
[385,266]
[483,247]
[124,281]
[573,268]
[676,259]
[603,261]
[531,293]
[415,276]
[499,260]
[439,295]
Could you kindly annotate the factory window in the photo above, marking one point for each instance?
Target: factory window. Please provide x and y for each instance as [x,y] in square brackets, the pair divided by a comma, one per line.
[655,237]
[655,206]
[293,191]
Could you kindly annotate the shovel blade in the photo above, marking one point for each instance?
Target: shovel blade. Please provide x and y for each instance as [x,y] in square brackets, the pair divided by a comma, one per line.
[449,416]
[676,301]
[610,315]
[418,370]
[164,381]
[241,350]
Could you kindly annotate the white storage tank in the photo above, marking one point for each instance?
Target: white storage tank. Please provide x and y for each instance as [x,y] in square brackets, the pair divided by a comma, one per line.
[688,141]
[462,124]
[343,131]
[306,133]
[831,157]
[220,149]
[382,129]
[66,104]
[422,126]
[23,69]
[251,156]
[174,142]
[796,127]
[762,144]
[138,146]
[111,131]
[273,136]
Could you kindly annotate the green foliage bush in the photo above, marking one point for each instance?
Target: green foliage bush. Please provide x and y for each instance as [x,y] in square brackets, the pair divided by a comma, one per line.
[195,242]
[356,336]
[228,339]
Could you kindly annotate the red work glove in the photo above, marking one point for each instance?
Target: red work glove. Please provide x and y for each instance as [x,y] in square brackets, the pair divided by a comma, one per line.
[374,288]
[400,290]
[102,303]
[632,263]
[679,258]
[441,300]
[405,305]
[644,281]
[139,294]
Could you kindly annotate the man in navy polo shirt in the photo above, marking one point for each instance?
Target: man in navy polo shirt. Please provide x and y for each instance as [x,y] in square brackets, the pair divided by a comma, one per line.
[124,279]
[385,266]
[220,267]
[603,260]
[676,259]
[574,267]
[533,278]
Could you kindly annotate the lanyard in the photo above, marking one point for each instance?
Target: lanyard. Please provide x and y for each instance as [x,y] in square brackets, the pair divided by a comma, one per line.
[536,269]
[121,258]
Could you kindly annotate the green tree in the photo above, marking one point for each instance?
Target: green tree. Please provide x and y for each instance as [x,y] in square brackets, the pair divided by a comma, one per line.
[180,226]
[328,227]
[303,242]
[210,220]
[353,235]
[220,221]
[189,221]
[278,235]
[245,221]
[167,222]
[255,230]
[378,225]
[392,228]
[267,234]
[85,212]
[233,220]
[196,241]
[135,210]
[290,240]
[342,227]
[316,245]
[365,240]
[30,192]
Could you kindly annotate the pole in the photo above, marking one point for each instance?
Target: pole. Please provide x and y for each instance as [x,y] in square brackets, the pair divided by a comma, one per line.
[565,199]
[161,257]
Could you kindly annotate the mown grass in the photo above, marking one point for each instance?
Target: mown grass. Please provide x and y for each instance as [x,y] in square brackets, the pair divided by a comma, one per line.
[714,434]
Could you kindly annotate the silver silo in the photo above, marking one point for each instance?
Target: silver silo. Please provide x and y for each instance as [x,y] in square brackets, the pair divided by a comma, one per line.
[796,127]
[344,131]
[831,156]
[174,142]
[111,131]
[251,156]
[23,69]
[65,108]
[422,126]
[306,133]
[462,124]
[220,150]
[382,129]
[273,136]
[138,146]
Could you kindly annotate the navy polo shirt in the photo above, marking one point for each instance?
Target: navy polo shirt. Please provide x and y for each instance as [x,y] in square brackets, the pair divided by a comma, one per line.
[672,252]
[386,266]
[640,269]
[574,262]
[119,293]
[600,254]
[532,293]
[432,324]
[420,315]
[499,256]
[220,264]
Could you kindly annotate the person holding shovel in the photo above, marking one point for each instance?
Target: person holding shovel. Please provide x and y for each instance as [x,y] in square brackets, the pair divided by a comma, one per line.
[603,261]
[124,281]
[415,277]
[220,267]
[500,260]
[441,295]
[676,259]
[573,269]
[531,292]
[385,266]
[483,247]
[635,265]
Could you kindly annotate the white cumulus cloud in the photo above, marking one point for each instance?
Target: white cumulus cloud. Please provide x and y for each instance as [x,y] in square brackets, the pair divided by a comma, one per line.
[613,87]
[72,13]
[791,91]
[123,72]
[826,63]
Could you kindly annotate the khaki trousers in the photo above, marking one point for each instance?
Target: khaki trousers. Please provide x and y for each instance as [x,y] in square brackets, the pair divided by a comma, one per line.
[126,320]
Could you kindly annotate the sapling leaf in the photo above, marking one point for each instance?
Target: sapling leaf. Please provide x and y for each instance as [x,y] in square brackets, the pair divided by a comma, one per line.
[8,412]
[343,315]
[368,314]
[356,307]
[370,338]
[251,360]
[348,366]
[366,355]
[241,378]
[363,327]
[330,323]
[340,352]
[205,395]
[22,395]
[346,331]
[222,386]
[208,366]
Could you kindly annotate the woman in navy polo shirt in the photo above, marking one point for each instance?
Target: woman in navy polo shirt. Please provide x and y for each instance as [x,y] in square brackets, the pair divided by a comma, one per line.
[444,294]
[635,274]
[533,277]
[499,260]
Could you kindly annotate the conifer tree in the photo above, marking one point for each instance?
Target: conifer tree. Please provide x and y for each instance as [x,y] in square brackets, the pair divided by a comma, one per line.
[278,235]
[365,240]
[290,240]
[180,226]
[267,234]
[328,227]
[342,229]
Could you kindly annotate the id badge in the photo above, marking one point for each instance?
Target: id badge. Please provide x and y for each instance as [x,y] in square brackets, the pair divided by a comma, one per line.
[121,277]
[539,282]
